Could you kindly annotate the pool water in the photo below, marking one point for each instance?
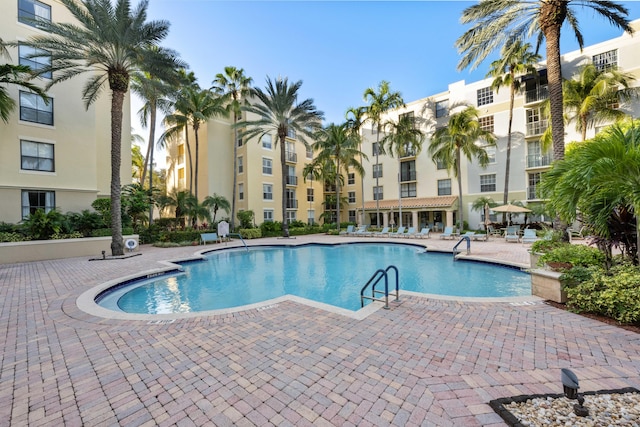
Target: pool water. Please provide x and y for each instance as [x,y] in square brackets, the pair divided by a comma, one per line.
[329,274]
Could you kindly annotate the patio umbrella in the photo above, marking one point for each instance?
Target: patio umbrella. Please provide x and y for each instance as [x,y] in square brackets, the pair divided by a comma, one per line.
[509,208]
[487,221]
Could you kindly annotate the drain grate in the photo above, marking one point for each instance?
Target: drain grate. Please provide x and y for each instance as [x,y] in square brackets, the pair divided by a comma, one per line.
[161,322]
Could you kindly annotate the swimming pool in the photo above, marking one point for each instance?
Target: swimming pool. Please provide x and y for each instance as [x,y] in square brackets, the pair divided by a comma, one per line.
[332,274]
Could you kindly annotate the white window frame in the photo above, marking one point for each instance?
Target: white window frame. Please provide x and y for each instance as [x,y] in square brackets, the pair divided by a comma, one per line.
[241,191]
[240,165]
[352,197]
[267,142]
[442,188]
[484,96]
[488,183]
[267,166]
[267,192]
[267,215]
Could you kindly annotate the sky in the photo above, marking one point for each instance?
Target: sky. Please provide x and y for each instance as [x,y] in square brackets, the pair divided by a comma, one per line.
[337,48]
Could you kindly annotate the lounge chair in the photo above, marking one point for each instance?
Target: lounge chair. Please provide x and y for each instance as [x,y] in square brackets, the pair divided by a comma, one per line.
[411,232]
[529,236]
[469,234]
[362,231]
[399,232]
[448,233]
[384,232]
[511,234]
[576,234]
[481,236]
[424,233]
[349,230]
[492,231]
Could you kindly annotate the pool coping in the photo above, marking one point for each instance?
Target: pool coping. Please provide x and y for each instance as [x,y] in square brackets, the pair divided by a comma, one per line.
[86,302]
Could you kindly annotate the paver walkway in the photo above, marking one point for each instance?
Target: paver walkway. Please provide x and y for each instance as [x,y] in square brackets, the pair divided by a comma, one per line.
[424,362]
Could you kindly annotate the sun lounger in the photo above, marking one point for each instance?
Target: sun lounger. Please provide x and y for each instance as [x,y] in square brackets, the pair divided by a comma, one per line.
[362,231]
[349,230]
[425,233]
[399,232]
[529,236]
[384,232]
[512,235]
[448,233]
[410,233]
[480,236]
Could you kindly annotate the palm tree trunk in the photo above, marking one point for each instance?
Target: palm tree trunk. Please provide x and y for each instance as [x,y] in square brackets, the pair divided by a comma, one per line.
[507,169]
[186,141]
[459,173]
[117,100]
[150,149]
[283,164]
[362,185]
[152,136]
[377,178]
[554,76]
[195,131]
[583,120]
[235,173]
[338,194]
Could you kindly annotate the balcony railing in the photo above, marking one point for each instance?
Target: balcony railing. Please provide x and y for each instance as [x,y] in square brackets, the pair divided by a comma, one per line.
[329,188]
[531,193]
[539,160]
[407,176]
[292,180]
[540,93]
[291,156]
[537,128]
[292,204]
[408,153]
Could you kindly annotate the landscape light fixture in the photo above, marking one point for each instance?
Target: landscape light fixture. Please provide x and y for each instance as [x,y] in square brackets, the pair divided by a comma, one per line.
[571,386]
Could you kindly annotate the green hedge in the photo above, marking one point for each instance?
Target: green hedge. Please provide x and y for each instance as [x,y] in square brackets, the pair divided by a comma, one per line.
[576,255]
[182,236]
[104,232]
[250,233]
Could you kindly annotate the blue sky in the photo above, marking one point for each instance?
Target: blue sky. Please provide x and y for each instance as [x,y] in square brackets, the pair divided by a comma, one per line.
[336,48]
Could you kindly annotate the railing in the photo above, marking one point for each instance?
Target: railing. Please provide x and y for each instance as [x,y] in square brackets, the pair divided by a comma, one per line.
[455,248]
[374,280]
[531,193]
[292,204]
[407,176]
[241,239]
[292,180]
[537,128]
[538,160]
[291,156]
[540,93]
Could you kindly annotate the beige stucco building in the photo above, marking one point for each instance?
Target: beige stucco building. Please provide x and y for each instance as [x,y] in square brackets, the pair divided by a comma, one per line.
[56,155]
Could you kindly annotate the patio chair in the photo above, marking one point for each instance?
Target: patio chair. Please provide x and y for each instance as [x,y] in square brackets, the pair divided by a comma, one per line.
[411,232]
[576,234]
[399,232]
[425,233]
[349,230]
[529,236]
[384,232]
[492,231]
[469,234]
[511,234]
[362,231]
[448,233]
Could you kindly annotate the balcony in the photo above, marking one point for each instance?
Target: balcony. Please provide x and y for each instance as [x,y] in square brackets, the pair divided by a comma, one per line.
[537,128]
[540,93]
[329,188]
[407,176]
[292,180]
[531,193]
[291,156]
[538,160]
[292,204]
[408,152]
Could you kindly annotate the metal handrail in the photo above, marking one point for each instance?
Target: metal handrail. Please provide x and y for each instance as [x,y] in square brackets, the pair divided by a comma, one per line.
[374,280]
[241,239]
[460,241]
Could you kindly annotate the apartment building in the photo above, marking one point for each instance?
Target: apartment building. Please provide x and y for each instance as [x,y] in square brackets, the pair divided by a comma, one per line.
[55,155]
[415,191]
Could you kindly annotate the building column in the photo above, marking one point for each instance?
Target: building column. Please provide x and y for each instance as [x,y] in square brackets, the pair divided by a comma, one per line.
[414,219]
[385,219]
[449,220]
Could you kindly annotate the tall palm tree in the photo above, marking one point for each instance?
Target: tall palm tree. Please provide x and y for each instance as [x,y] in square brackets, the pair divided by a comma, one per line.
[110,42]
[216,203]
[280,112]
[336,144]
[355,120]
[592,96]
[235,88]
[403,139]
[379,103]
[459,138]
[515,60]
[496,23]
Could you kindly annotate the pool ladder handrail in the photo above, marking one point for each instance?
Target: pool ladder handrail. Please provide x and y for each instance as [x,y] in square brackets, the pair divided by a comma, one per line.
[462,239]
[241,239]
[375,278]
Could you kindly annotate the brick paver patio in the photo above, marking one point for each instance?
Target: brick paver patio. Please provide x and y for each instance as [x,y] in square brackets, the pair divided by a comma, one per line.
[424,362]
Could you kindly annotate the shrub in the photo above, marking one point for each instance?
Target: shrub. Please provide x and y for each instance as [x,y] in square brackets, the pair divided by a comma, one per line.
[180,236]
[576,255]
[271,229]
[104,232]
[85,222]
[72,235]
[245,218]
[12,237]
[42,226]
[550,241]
[250,233]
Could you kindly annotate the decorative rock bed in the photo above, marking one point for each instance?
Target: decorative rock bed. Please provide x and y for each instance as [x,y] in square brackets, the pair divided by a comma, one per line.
[606,408]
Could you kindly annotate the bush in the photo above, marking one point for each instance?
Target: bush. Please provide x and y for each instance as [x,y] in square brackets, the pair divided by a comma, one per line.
[271,229]
[104,232]
[72,235]
[245,218]
[41,225]
[180,236]
[12,237]
[250,233]
[576,255]
[615,294]
[550,241]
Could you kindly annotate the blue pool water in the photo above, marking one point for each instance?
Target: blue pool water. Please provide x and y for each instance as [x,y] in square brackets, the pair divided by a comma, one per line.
[329,274]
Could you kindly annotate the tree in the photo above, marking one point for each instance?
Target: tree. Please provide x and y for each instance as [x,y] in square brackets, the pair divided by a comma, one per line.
[592,96]
[137,163]
[515,60]
[496,23]
[459,138]
[111,42]
[336,144]
[280,112]
[600,178]
[355,119]
[403,139]
[179,200]
[235,88]
[215,203]
[379,103]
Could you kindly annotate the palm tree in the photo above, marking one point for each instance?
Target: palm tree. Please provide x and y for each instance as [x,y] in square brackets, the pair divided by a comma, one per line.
[592,96]
[110,43]
[336,144]
[235,88]
[497,23]
[280,113]
[379,103]
[459,138]
[516,59]
[215,203]
[403,139]
[355,119]
[137,163]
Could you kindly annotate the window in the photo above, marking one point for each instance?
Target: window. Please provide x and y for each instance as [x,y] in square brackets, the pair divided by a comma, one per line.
[291,216]
[377,193]
[34,109]
[485,96]
[309,152]
[442,108]
[377,170]
[267,166]
[36,63]
[291,133]
[534,179]
[351,178]
[267,191]
[352,216]
[36,156]
[239,142]
[267,215]
[374,149]
[444,187]
[606,61]
[408,171]
[290,199]
[32,200]
[240,164]
[535,124]
[408,190]
[487,183]
[311,217]
[440,164]
[30,11]
[180,154]
[309,194]
[266,142]
[241,191]
[352,196]
[491,153]
[486,123]
[535,156]
[408,116]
